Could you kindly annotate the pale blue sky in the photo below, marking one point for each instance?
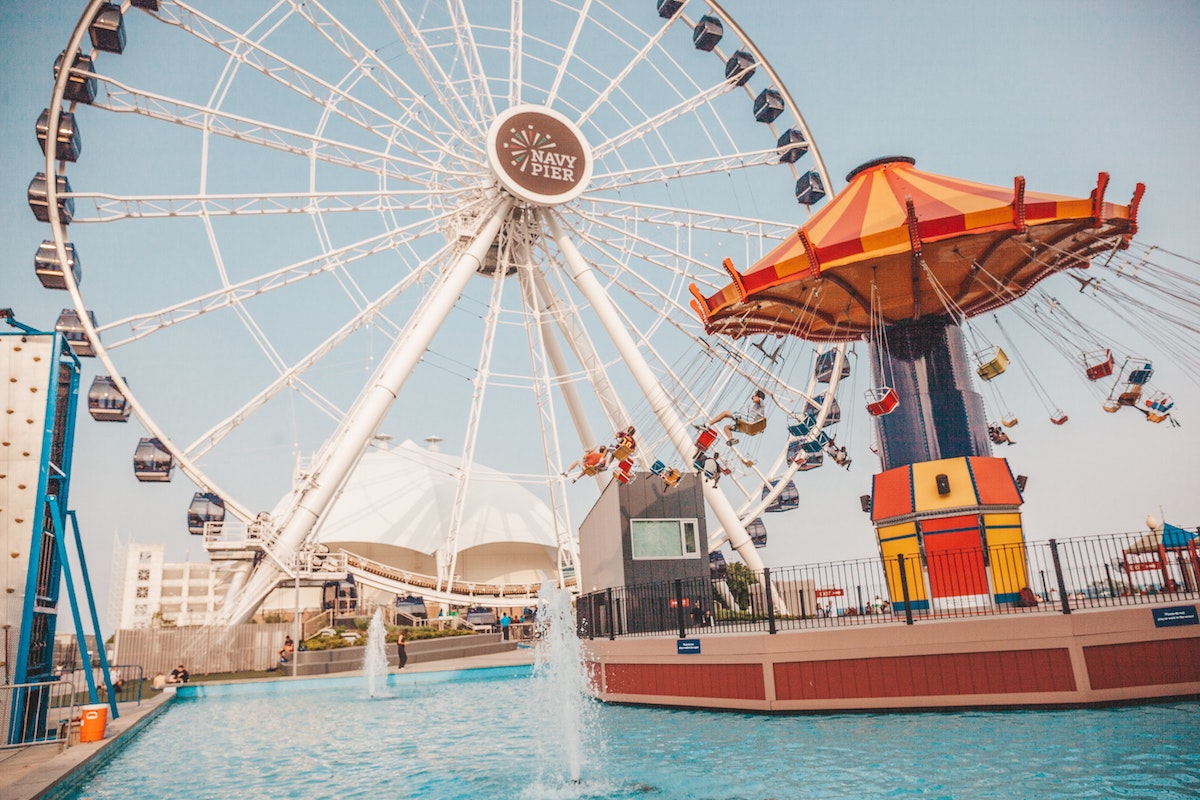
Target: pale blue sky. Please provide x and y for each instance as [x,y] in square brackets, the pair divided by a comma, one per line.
[1053,91]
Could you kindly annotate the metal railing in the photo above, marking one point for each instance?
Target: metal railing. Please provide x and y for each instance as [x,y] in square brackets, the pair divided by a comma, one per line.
[1056,576]
[127,680]
[37,713]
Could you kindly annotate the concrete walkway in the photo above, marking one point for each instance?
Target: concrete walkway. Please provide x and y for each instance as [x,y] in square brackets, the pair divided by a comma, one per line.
[27,773]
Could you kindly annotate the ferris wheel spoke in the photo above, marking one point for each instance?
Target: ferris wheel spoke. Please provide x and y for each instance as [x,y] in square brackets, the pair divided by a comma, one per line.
[692,219]
[122,99]
[111,207]
[516,51]
[145,323]
[380,73]
[651,125]
[256,56]
[431,69]
[568,53]
[711,165]
[294,373]
[615,255]
[468,50]
[666,256]
[737,360]
[640,58]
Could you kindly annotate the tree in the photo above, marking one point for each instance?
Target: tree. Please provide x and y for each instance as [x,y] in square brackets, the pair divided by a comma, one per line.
[739,581]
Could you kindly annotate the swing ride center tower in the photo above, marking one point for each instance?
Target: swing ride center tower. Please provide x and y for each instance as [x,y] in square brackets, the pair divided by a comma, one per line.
[902,258]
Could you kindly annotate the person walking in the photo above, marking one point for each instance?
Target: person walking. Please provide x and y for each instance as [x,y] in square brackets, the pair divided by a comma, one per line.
[401,653]
[505,621]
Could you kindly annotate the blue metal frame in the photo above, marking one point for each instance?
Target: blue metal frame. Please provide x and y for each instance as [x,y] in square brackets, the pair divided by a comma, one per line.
[51,507]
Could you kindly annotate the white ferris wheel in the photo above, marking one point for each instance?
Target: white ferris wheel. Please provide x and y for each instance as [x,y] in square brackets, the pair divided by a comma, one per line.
[313,225]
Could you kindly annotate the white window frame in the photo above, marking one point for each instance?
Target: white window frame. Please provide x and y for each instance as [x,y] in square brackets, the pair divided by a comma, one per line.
[684,523]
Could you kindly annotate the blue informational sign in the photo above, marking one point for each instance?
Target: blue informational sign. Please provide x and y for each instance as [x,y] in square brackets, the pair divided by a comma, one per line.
[687,647]
[1175,615]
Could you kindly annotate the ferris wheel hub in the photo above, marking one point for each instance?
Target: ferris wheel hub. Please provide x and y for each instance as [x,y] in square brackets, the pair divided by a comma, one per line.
[539,155]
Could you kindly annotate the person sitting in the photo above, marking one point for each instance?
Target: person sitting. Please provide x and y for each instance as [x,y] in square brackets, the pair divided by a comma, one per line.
[713,468]
[754,412]
[670,476]
[159,682]
[593,461]
[625,442]
[288,648]
[998,436]
[840,457]
[178,675]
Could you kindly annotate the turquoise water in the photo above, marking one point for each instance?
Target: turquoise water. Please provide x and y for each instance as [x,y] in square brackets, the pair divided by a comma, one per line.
[455,735]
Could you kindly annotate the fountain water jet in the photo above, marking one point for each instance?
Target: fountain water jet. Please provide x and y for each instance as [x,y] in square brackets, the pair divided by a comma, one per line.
[375,665]
[562,681]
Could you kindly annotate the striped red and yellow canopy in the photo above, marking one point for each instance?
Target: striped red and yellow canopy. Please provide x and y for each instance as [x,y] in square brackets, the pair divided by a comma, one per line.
[898,244]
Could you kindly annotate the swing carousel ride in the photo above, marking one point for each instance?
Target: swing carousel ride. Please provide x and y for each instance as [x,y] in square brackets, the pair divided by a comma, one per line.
[908,261]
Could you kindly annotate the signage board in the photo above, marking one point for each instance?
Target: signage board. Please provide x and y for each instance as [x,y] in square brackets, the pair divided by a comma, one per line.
[1175,615]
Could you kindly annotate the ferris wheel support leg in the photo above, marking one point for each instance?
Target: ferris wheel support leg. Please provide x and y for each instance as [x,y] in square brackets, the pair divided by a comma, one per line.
[588,284]
[369,411]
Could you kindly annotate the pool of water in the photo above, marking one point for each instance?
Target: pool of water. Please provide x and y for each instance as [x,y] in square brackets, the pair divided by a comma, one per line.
[491,734]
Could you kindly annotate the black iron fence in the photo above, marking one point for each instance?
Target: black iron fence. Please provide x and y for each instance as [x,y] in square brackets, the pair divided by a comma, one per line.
[1055,576]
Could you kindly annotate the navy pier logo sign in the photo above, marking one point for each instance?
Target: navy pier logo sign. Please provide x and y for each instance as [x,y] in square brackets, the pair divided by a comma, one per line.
[539,155]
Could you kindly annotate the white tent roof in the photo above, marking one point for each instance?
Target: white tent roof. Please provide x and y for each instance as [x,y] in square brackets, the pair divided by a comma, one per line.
[404,496]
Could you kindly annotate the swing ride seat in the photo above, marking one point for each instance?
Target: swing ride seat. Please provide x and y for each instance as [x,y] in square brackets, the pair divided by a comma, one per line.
[992,362]
[622,452]
[1130,396]
[699,465]
[1112,406]
[750,427]
[624,471]
[671,476]
[706,438]
[1008,422]
[595,469]
[657,467]
[1141,374]
[1099,365]
[1159,401]
[1059,418]
[802,427]
[882,400]
[1158,406]
[817,444]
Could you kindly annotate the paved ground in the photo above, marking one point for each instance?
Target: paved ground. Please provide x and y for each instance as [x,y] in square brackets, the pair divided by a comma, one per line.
[27,773]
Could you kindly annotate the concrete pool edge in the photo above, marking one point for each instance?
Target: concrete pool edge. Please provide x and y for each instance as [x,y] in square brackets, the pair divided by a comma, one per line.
[48,770]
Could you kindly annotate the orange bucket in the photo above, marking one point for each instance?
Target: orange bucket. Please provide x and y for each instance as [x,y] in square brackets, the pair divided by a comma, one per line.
[93,723]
